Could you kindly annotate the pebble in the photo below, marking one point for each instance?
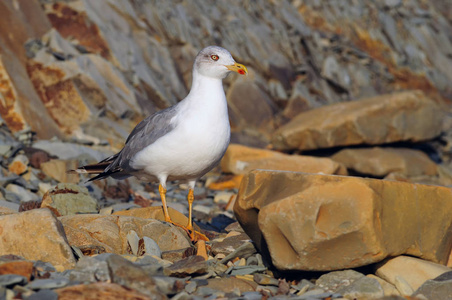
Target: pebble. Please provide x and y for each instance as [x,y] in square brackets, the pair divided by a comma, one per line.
[151,247]
[11,280]
[41,284]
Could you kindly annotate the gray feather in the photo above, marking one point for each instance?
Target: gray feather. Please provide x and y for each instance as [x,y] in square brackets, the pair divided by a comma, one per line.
[144,134]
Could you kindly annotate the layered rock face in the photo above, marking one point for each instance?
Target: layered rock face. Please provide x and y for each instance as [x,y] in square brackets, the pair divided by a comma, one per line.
[341,152]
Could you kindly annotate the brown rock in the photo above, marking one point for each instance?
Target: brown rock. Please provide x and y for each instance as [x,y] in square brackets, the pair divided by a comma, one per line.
[111,232]
[240,159]
[99,290]
[176,255]
[382,161]
[57,169]
[156,212]
[19,164]
[24,268]
[413,271]
[21,106]
[6,211]
[305,220]
[404,116]
[68,199]
[192,265]
[36,235]
[229,284]
[229,244]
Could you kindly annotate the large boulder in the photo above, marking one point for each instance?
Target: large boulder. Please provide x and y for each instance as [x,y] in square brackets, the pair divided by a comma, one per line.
[404,116]
[36,235]
[326,222]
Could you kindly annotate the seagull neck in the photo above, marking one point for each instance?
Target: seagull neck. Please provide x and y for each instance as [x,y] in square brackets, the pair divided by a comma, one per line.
[206,87]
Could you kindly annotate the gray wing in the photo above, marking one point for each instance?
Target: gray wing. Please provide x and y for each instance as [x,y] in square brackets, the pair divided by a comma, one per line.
[144,134]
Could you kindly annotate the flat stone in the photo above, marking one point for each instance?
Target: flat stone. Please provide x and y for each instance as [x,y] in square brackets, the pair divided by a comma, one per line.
[357,217]
[229,244]
[40,284]
[413,270]
[41,227]
[156,212]
[10,280]
[110,232]
[129,275]
[69,199]
[192,265]
[57,169]
[229,284]
[43,295]
[23,268]
[363,288]
[19,165]
[432,289]
[382,161]
[335,281]
[265,280]
[388,289]
[89,270]
[101,290]
[240,159]
[389,118]
[176,255]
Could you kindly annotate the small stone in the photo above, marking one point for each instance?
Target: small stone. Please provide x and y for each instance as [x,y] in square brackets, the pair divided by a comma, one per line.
[90,269]
[193,265]
[245,270]
[69,199]
[151,247]
[23,268]
[19,164]
[410,270]
[176,255]
[191,287]
[223,197]
[229,244]
[133,240]
[57,169]
[10,280]
[229,284]
[262,279]
[40,284]
[43,295]
[243,251]
[334,281]
[433,289]
[101,290]
[362,288]
[129,275]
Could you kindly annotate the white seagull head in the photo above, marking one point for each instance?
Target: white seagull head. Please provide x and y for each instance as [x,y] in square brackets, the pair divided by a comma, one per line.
[217,62]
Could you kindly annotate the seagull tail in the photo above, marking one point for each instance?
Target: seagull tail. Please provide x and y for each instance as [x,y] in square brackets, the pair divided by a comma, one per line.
[101,169]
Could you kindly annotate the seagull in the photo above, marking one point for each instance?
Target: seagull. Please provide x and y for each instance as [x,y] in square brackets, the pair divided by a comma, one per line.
[181,142]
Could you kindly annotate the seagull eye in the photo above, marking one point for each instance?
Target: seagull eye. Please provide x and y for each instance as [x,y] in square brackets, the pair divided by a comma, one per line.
[215,57]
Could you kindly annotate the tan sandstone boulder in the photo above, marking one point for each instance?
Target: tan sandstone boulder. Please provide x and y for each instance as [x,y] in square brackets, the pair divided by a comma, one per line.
[109,233]
[326,222]
[404,116]
[36,235]
[379,161]
[240,159]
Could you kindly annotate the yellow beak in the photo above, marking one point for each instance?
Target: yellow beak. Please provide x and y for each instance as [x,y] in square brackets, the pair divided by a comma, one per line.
[239,68]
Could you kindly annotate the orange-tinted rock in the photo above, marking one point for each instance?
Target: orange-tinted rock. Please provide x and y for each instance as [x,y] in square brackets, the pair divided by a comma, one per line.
[24,268]
[57,169]
[36,235]
[21,106]
[240,159]
[229,284]
[100,290]
[110,232]
[383,161]
[326,222]
[404,116]
[230,183]
[156,213]
[414,271]
[19,164]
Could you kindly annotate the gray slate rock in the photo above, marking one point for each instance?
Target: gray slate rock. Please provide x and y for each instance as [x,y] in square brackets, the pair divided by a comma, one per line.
[334,281]
[43,295]
[362,288]
[41,284]
[193,265]
[10,280]
[433,289]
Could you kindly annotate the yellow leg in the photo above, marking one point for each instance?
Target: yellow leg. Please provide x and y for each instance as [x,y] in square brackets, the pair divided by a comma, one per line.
[190,199]
[162,192]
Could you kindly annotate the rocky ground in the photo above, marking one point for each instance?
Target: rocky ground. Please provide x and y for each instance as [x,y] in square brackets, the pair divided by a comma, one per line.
[337,183]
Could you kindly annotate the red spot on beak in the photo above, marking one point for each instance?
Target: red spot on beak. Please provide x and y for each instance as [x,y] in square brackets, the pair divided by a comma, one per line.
[241,72]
